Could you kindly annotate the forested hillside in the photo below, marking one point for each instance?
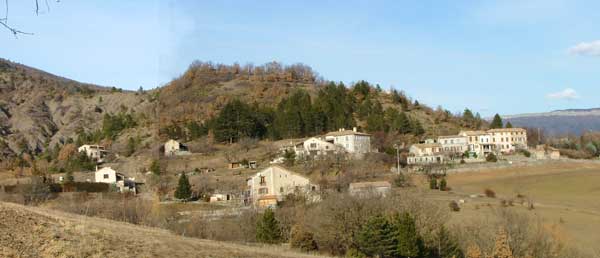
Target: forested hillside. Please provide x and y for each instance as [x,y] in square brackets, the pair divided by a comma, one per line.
[278,102]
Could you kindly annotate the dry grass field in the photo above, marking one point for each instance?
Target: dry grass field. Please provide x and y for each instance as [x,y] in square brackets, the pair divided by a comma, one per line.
[39,232]
[565,196]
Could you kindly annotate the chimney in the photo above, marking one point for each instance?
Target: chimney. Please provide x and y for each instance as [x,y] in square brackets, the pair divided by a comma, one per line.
[354,129]
[96,167]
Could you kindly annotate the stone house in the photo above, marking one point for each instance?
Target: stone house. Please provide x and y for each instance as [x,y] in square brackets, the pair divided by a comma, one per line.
[174,148]
[378,188]
[271,185]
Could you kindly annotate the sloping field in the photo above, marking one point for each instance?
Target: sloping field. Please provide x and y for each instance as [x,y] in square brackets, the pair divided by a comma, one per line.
[37,232]
[565,193]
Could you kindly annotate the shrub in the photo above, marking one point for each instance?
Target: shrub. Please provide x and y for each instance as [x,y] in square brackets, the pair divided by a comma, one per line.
[454,206]
[433,183]
[36,192]
[443,184]
[302,239]
[155,167]
[491,158]
[267,228]
[489,193]
[402,180]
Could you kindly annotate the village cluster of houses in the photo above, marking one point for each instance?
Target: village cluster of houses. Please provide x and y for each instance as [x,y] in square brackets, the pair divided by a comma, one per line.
[274,183]
[352,142]
[107,174]
[468,144]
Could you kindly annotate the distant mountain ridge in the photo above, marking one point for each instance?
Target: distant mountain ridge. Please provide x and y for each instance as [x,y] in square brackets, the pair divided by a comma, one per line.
[560,122]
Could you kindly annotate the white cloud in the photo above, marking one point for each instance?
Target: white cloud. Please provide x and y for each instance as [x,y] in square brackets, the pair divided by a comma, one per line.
[591,48]
[568,94]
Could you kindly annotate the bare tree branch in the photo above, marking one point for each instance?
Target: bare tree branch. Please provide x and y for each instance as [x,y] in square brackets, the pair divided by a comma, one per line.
[13,30]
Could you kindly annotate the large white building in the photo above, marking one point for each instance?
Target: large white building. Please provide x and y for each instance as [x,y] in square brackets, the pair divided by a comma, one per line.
[507,140]
[273,184]
[352,141]
[342,141]
[479,142]
[95,152]
[476,143]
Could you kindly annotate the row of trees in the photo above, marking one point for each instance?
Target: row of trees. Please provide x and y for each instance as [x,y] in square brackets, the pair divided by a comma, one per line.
[379,236]
[300,115]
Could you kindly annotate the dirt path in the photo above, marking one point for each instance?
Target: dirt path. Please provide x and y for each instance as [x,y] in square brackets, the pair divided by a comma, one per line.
[38,232]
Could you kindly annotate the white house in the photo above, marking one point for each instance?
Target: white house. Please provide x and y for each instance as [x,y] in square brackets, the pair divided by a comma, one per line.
[95,152]
[352,141]
[110,176]
[173,147]
[507,140]
[425,153]
[316,146]
[479,142]
[379,188]
[272,184]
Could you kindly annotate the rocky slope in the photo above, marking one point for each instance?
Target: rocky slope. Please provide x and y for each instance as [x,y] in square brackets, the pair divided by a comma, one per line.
[38,109]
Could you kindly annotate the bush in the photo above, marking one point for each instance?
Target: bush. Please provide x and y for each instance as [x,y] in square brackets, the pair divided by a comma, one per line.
[454,206]
[443,184]
[36,192]
[489,193]
[433,183]
[402,180]
[302,239]
[491,158]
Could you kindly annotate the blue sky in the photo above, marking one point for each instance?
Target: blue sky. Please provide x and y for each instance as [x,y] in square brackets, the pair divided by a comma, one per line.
[502,57]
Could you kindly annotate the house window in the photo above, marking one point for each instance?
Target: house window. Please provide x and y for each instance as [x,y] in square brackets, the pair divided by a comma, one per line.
[313,145]
[263,180]
[263,190]
[281,189]
[105,176]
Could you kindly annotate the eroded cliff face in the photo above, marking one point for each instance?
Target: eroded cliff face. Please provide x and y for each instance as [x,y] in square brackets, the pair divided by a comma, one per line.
[38,109]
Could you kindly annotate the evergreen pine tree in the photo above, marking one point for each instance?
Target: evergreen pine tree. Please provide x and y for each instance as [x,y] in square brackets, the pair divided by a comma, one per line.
[409,243]
[376,238]
[468,118]
[155,168]
[267,228]
[508,125]
[184,189]
[446,245]
[497,122]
